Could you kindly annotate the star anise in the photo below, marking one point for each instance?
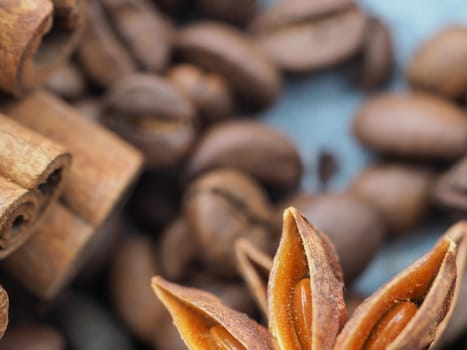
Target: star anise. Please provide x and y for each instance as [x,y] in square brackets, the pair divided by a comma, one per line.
[305,300]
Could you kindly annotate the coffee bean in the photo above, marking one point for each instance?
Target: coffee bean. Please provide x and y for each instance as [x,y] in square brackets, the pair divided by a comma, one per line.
[209,92]
[377,57]
[399,192]
[261,151]
[101,55]
[302,35]
[87,325]
[352,226]
[32,337]
[239,11]
[178,237]
[450,190]
[222,206]
[151,113]
[440,65]
[67,82]
[132,18]
[412,125]
[224,50]
[134,265]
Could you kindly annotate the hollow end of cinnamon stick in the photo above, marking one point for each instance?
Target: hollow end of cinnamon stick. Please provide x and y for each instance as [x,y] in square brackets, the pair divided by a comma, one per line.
[53,255]
[34,44]
[18,215]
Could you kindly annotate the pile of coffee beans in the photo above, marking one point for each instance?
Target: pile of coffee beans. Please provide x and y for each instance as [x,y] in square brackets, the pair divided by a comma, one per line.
[185,82]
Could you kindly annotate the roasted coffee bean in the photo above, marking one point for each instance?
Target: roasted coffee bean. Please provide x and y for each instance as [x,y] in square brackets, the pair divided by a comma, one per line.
[152,114]
[101,55]
[401,193]
[224,50]
[88,326]
[32,337]
[132,18]
[90,108]
[113,46]
[264,153]
[209,92]
[377,56]
[302,35]
[167,337]
[134,264]
[178,237]
[67,82]
[351,224]
[440,65]
[222,206]
[239,11]
[412,125]
[450,190]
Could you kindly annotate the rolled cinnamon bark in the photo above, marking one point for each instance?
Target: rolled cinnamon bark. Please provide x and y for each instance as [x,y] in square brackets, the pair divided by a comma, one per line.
[51,257]
[32,43]
[4,306]
[32,169]
[103,168]
[103,164]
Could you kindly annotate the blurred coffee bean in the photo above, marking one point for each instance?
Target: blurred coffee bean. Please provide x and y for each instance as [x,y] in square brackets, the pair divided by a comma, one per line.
[303,35]
[239,11]
[440,65]
[412,125]
[155,202]
[113,46]
[377,56]
[253,147]
[233,294]
[167,336]
[450,190]
[178,249]
[401,193]
[149,112]
[101,55]
[131,19]
[32,337]
[352,225]
[134,265]
[100,249]
[209,92]
[224,50]
[67,82]
[222,206]
[89,107]
[88,326]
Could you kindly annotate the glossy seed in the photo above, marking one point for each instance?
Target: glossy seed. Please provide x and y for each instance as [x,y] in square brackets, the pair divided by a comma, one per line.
[390,325]
[302,312]
[223,340]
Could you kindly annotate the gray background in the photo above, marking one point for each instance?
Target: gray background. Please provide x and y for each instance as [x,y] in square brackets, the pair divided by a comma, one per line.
[316,110]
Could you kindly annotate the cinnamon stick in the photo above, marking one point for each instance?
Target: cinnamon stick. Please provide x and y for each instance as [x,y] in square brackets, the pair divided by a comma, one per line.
[103,164]
[4,306]
[32,44]
[51,257]
[32,169]
[103,168]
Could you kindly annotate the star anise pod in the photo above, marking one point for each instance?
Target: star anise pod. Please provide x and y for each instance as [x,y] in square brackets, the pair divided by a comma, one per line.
[305,300]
